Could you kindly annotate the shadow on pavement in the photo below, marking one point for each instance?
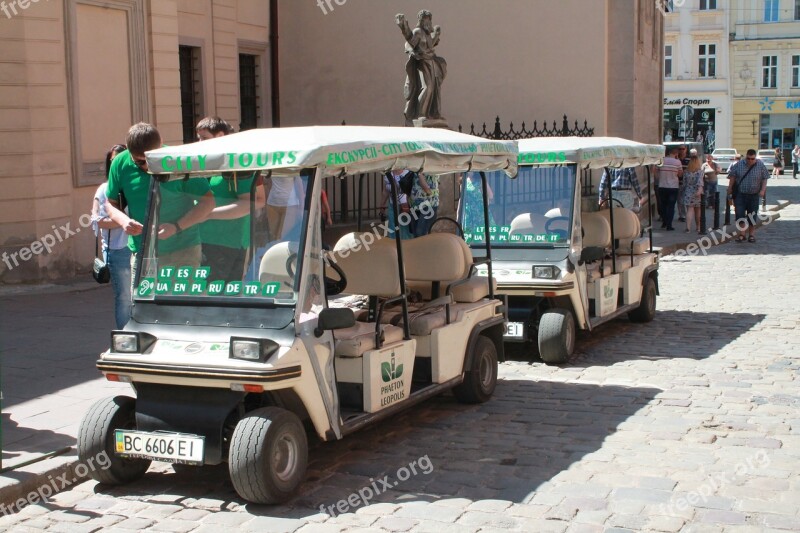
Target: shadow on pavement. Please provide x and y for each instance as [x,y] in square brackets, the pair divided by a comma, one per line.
[504,449]
[666,337]
[51,342]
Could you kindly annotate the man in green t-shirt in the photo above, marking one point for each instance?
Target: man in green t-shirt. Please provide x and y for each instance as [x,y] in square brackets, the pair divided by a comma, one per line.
[185,203]
[226,233]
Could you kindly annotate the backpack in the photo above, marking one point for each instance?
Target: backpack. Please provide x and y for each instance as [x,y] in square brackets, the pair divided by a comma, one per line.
[406,182]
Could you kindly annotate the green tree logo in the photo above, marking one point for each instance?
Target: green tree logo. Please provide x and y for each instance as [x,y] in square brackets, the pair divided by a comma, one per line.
[389,371]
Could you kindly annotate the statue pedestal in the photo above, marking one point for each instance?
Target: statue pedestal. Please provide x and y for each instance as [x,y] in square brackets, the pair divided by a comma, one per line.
[423,122]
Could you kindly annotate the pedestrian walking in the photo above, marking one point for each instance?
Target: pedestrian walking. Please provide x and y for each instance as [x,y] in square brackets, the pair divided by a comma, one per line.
[668,175]
[115,246]
[795,160]
[683,156]
[777,163]
[747,181]
[424,203]
[626,182]
[692,191]
[711,172]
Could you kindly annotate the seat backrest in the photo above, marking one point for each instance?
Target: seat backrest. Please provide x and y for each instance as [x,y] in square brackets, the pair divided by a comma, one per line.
[626,223]
[596,230]
[274,265]
[370,270]
[435,257]
[528,223]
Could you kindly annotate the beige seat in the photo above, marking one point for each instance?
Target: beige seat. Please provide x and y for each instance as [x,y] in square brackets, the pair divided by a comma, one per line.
[465,288]
[596,232]
[528,224]
[626,224]
[370,271]
[274,264]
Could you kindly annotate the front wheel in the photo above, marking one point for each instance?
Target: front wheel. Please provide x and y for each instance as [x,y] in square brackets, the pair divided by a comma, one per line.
[556,336]
[646,311]
[481,378]
[96,437]
[268,455]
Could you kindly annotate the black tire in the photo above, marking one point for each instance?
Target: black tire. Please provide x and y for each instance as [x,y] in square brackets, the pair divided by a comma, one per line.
[481,379]
[96,436]
[646,311]
[268,455]
[556,337]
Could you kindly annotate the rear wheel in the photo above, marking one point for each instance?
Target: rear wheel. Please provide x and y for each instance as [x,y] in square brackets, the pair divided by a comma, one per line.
[268,455]
[556,336]
[96,437]
[481,379]
[646,311]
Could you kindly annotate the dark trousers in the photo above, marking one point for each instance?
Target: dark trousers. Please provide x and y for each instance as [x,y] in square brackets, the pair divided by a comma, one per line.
[226,263]
[668,199]
[795,170]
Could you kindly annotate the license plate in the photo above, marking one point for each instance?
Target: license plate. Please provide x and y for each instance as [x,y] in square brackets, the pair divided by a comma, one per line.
[514,330]
[168,447]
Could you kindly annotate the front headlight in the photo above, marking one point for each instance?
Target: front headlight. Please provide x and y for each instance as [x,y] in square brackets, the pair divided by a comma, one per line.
[546,272]
[252,349]
[131,341]
[125,342]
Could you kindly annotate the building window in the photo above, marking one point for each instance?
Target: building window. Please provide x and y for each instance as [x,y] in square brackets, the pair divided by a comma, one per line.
[707,54]
[771,10]
[191,101]
[795,72]
[668,61]
[249,83]
[708,4]
[796,9]
[769,68]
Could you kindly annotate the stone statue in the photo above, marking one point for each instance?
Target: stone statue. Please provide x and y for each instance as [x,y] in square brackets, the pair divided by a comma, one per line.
[425,72]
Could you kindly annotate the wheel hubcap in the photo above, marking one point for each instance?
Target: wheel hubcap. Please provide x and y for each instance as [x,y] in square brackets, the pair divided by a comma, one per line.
[485,372]
[284,457]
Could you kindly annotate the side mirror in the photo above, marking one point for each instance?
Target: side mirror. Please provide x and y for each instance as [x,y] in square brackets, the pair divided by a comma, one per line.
[335,318]
[591,254]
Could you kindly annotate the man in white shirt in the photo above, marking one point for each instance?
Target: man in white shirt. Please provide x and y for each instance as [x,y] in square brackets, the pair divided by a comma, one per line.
[668,173]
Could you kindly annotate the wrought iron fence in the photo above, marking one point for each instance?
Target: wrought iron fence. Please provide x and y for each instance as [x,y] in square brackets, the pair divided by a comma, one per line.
[343,193]
[513,134]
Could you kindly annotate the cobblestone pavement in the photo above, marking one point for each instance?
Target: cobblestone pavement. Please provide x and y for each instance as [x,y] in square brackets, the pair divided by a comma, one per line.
[689,423]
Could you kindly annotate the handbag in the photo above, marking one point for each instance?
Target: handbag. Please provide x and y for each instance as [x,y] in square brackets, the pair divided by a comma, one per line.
[735,188]
[100,271]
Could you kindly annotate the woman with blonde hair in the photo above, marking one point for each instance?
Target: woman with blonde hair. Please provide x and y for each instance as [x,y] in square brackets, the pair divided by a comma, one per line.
[692,193]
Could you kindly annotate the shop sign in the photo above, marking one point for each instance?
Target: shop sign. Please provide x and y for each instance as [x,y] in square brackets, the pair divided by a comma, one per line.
[687,101]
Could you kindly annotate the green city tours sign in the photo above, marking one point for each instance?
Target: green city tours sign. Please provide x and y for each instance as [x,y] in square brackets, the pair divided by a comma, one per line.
[542,157]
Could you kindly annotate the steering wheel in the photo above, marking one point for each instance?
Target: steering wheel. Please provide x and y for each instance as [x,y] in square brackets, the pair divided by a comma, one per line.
[291,263]
[335,286]
[618,201]
[452,224]
[550,221]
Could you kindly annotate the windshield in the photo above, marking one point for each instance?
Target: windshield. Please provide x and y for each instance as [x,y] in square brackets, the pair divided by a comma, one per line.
[533,210]
[236,235]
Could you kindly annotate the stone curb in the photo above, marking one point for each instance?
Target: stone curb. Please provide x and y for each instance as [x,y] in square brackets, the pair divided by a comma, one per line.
[25,483]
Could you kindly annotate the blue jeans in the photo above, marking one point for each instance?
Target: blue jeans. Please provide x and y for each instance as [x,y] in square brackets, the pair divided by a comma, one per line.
[668,199]
[746,206]
[423,224]
[119,263]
